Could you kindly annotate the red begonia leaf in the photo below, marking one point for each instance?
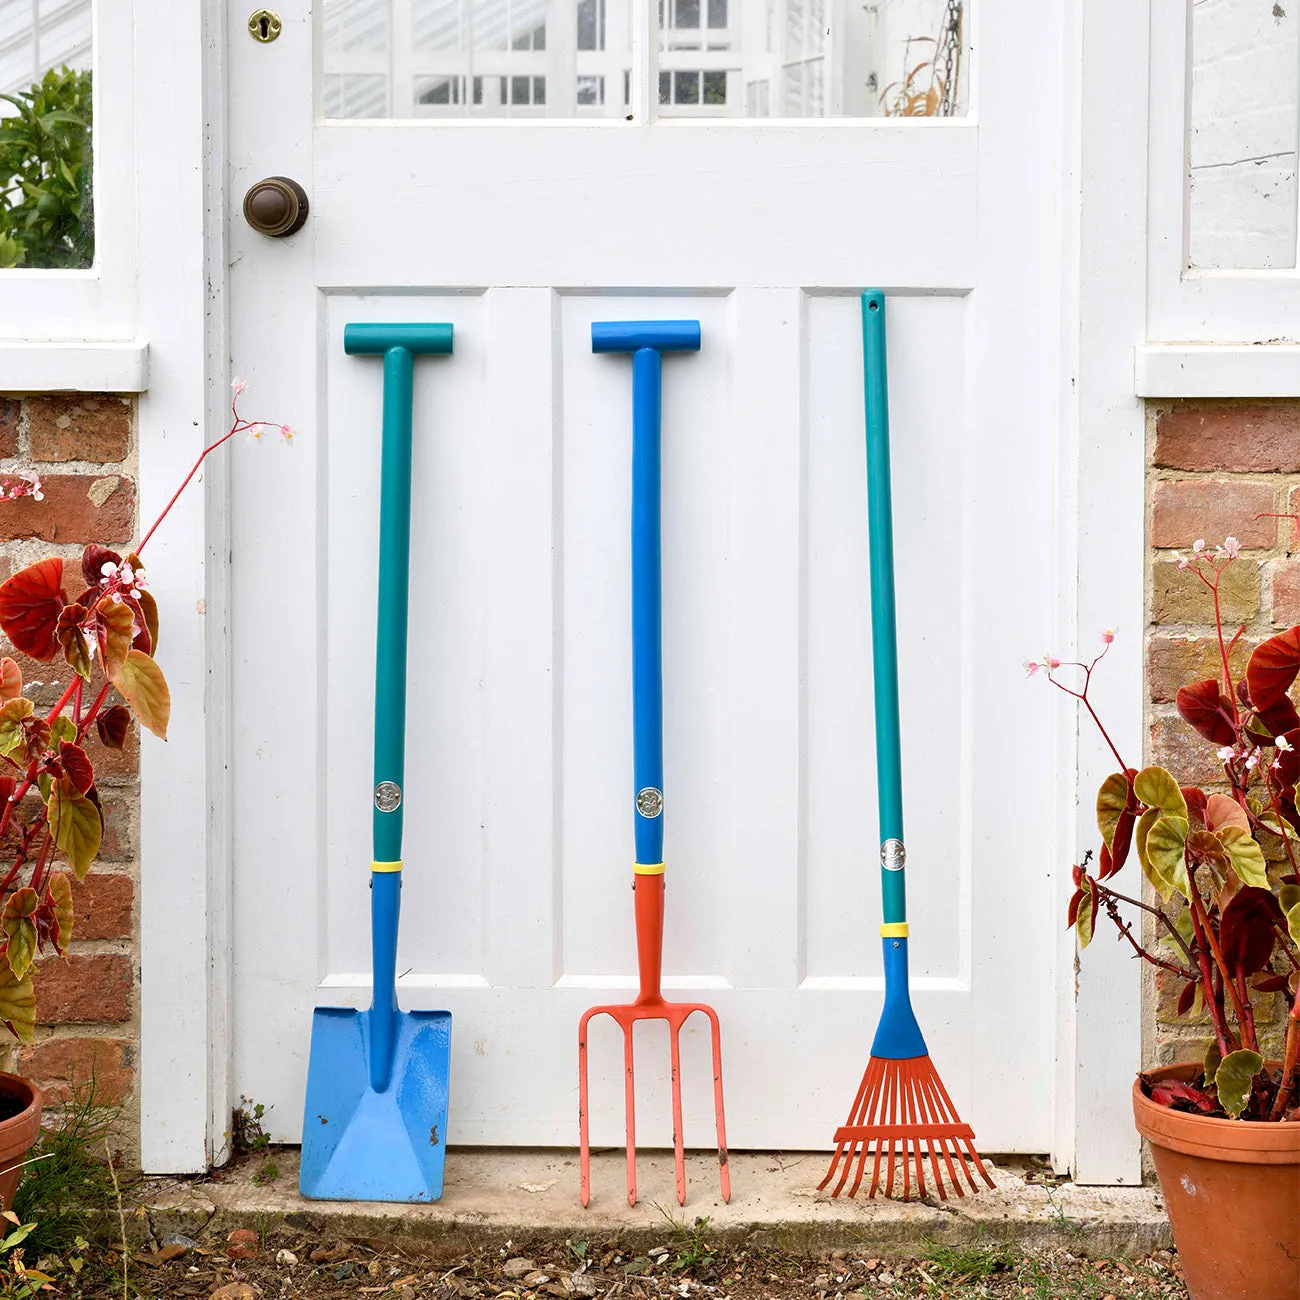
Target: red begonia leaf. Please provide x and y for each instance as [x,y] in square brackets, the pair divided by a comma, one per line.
[1246,934]
[77,766]
[30,604]
[1208,710]
[1272,668]
[93,559]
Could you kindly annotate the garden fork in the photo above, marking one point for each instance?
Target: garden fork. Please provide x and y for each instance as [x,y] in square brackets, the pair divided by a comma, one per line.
[646,340]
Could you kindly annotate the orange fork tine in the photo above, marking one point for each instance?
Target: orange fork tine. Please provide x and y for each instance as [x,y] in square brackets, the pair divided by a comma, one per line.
[584,1144]
[679,1156]
[629,1106]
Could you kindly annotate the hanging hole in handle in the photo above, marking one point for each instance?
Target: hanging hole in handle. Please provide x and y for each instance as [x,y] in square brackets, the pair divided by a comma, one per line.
[874,305]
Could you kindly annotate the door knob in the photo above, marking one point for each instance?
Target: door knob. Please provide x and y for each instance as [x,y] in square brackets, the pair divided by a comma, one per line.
[276,206]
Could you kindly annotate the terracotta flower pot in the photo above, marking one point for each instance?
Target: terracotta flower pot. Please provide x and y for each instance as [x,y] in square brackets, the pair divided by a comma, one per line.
[17,1133]
[1232,1188]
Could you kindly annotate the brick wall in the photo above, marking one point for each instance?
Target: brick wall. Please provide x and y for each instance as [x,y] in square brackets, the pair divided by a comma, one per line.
[83,448]
[1214,466]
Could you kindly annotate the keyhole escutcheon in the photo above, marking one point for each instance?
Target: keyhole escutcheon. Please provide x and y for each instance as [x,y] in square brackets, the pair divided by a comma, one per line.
[264,25]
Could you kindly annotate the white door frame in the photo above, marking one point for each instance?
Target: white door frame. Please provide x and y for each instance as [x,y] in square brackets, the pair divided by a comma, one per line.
[185,1065]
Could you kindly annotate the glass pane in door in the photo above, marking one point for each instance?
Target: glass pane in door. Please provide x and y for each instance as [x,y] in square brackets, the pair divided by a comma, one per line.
[715,58]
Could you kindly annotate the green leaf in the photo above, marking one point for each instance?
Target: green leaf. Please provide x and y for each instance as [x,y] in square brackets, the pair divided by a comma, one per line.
[1086,918]
[19,928]
[1233,1079]
[75,824]
[1183,924]
[18,1004]
[144,688]
[1289,897]
[13,739]
[1156,788]
[1246,856]
[59,895]
[1112,799]
[1164,846]
[1213,1059]
[61,729]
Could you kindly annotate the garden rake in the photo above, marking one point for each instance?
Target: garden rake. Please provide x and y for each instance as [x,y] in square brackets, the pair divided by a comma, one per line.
[901,1108]
[647,340]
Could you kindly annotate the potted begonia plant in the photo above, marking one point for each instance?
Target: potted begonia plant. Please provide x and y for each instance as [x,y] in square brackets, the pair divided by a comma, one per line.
[1222,924]
[98,619]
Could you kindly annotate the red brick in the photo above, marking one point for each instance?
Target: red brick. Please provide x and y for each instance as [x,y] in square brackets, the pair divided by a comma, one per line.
[62,1067]
[68,514]
[1186,754]
[1286,593]
[119,841]
[1250,436]
[1174,661]
[79,427]
[10,409]
[6,567]
[104,904]
[1185,509]
[85,988]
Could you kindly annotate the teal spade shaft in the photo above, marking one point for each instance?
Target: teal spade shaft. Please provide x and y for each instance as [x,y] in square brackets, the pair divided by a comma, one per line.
[399,344]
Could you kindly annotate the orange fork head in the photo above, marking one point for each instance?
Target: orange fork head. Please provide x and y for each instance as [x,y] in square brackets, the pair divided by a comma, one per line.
[650,1005]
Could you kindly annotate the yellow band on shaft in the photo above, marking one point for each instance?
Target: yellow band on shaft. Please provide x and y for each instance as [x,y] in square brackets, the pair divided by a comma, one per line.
[386,866]
[894,930]
[648,868]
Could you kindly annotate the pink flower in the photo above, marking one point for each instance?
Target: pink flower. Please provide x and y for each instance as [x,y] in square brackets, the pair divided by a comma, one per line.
[1224,753]
[1108,635]
[1031,668]
[1231,547]
[1283,744]
[286,434]
[1051,661]
[1198,546]
[1253,761]
[237,386]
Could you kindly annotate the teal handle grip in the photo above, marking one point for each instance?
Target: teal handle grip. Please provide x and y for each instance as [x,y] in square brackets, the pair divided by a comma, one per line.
[884,632]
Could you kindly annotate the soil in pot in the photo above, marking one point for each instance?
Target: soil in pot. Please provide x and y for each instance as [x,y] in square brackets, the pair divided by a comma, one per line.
[1232,1189]
[20,1125]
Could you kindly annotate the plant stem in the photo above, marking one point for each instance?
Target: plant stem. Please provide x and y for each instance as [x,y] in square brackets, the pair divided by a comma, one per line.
[1290,1064]
[1112,910]
[207,451]
[1206,936]
[1155,911]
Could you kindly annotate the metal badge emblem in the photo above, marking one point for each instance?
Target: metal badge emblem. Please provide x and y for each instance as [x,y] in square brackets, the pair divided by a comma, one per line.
[650,802]
[388,796]
[893,855]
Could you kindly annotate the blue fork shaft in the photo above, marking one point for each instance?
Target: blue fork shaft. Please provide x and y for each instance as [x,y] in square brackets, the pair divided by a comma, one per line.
[647,637]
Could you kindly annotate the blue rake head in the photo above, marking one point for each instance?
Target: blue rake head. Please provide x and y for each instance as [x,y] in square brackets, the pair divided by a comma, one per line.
[360,1143]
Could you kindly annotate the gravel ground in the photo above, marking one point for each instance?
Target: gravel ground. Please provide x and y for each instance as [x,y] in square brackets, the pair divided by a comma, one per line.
[686,1265]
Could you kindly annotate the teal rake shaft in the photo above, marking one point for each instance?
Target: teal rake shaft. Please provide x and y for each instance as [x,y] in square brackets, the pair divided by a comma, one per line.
[901,1107]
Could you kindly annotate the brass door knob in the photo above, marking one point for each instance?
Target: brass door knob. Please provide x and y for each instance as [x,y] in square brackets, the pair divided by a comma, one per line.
[276,206]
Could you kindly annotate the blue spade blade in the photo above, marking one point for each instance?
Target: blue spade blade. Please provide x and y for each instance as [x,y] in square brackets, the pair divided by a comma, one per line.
[359,1144]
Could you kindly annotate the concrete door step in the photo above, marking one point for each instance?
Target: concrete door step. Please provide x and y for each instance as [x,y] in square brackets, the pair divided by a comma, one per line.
[495,1196]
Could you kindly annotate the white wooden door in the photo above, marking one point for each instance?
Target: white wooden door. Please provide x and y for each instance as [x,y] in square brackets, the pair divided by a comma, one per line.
[504,183]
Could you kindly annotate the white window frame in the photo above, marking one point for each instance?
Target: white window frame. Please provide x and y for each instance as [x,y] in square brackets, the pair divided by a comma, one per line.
[1210,333]
[66,329]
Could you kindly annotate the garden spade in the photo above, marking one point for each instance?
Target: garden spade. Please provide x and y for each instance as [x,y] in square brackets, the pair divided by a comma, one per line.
[375,1123]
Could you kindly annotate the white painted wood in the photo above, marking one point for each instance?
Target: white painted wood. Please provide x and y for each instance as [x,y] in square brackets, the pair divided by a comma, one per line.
[99,303]
[74,365]
[1101,564]
[517,903]
[1216,370]
[184,1050]
[1231,306]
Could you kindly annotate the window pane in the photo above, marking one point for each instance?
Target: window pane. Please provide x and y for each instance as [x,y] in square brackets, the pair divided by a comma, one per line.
[815,58]
[46,192]
[1241,147]
[473,58]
